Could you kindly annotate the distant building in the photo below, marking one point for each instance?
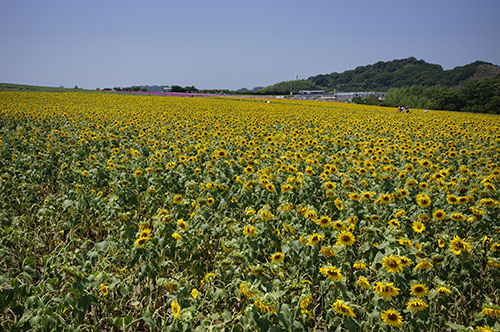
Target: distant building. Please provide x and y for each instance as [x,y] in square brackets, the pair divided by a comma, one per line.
[340,96]
[311,92]
[347,96]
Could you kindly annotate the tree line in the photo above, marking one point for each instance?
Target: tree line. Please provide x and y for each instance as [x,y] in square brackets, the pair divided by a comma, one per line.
[481,96]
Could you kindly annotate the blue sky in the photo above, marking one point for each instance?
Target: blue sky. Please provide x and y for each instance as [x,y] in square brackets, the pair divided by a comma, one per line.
[233,44]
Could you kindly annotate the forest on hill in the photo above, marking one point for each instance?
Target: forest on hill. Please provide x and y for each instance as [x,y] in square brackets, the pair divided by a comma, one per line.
[482,96]
[415,83]
[383,76]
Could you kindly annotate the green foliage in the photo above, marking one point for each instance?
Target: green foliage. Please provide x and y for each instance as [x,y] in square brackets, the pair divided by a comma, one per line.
[177,88]
[370,100]
[477,97]
[84,178]
[382,76]
[23,87]
[287,87]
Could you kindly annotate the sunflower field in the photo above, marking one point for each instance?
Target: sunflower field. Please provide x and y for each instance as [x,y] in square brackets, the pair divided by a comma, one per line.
[150,213]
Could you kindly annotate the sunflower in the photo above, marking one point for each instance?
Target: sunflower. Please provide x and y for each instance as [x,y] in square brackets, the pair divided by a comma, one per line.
[324,221]
[277,257]
[418,290]
[392,264]
[491,312]
[104,289]
[418,227]
[330,186]
[343,309]
[443,289]
[452,199]
[141,242]
[403,193]
[176,309]
[400,213]
[417,304]
[391,317]
[458,245]
[355,196]
[345,238]
[138,172]
[411,183]
[332,273]
[439,215]
[327,252]
[386,290]
[423,265]
[315,238]
[338,225]
[248,170]
[394,223]
[304,303]
[405,242]
[457,216]
[384,198]
[495,247]
[423,185]
[359,265]
[338,204]
[146,232]
[249,230]
[194,293]
[182,225]
[423,200]
[270,187]
[177,199]
[490,186]
[488,202]
[363,283]
[367,195]
[405,261]
[209,277]
[286,188]
[177,236]
[476,211]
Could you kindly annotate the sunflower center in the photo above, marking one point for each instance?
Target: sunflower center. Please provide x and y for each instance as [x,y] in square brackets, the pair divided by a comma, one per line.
[392,263]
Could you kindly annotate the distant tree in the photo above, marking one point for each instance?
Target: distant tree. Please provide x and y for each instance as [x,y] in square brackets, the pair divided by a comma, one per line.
[176,88]
[372,100]
[117,88]
[358,100]
[382,76]
[191,89]
[76,87]
[287,87]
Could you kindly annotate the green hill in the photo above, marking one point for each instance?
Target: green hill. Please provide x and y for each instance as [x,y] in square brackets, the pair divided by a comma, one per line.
[22,87]
[382,76]
[286,87]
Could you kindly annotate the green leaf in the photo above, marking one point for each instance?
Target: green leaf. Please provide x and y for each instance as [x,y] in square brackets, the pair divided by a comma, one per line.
[226,316]
[456,327]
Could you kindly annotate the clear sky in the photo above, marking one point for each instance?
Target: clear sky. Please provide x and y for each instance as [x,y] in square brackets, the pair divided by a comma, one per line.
[233,44]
